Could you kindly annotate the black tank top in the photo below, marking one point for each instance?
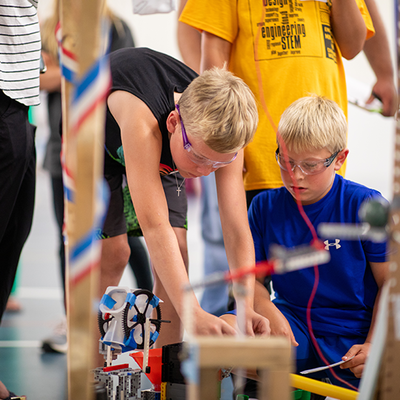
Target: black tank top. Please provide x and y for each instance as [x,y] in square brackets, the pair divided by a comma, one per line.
[153,77]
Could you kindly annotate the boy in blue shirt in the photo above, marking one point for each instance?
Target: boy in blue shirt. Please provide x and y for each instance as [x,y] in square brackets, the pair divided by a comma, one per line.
[312,144]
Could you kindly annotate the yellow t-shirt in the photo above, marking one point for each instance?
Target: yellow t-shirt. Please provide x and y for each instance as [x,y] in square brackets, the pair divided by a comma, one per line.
[284,50]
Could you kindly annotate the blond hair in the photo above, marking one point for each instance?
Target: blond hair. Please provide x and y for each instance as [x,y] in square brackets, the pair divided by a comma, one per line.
[219,108]
[313,122]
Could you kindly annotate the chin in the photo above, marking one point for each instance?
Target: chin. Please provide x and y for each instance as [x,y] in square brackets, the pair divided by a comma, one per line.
[185,174]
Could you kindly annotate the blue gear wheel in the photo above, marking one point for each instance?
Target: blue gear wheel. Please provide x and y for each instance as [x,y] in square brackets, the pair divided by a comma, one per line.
[129,324]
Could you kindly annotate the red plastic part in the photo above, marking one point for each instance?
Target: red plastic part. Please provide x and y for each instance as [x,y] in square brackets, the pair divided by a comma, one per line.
[155,364]
[115,367]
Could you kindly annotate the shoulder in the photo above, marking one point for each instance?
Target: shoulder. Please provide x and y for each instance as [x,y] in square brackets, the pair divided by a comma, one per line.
[127,54]
[149,64]
[222,22]
[268,200]
[355,191]
[352,195]
[271,194]
[142,54]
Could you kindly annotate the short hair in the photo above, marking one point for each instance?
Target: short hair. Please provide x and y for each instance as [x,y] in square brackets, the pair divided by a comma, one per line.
[219,108]
[313,122]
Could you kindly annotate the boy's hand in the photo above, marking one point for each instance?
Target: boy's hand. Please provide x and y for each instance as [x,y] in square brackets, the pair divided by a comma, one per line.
[278,323]
[281,327]
[257,324]
[360,353]
[386,92]
[208,324]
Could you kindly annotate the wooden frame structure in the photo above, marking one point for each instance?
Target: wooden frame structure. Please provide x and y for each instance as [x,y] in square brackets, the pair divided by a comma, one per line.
[271,356]
[83,149]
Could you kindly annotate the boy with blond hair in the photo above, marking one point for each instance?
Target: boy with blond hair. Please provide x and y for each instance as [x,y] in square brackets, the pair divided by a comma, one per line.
[311,148]
[164,124]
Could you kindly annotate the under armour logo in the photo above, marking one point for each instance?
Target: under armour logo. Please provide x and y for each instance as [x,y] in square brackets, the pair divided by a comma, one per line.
[336,244]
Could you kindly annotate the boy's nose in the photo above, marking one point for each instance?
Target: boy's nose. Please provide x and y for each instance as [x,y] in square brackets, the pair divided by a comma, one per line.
[297,171]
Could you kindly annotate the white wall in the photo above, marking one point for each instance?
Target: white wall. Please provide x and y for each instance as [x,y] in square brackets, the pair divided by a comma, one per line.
[371,136]
[155,31]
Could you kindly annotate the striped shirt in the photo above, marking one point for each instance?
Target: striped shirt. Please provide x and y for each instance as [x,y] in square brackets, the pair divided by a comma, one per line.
[20,50]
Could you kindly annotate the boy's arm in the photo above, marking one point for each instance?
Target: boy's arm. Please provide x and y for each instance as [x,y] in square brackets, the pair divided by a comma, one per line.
[361,351]
[231,196]
[348,27]
[142,156]
[278,323]
[236,232]
[378,54]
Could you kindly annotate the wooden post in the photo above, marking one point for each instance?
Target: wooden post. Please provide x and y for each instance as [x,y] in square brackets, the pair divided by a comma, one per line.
[389,382]
[83,150]
[271,356]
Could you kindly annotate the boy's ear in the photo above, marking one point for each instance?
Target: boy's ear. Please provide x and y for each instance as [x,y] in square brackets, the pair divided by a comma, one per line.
[172,121]
[341,158]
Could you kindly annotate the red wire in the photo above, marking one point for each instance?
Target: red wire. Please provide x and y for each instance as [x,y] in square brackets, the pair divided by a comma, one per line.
[299,206]
[261,268]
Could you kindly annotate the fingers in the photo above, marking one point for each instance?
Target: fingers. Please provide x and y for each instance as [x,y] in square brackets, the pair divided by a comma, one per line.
[293,340]
[262,328]
[208,324]
[358,370]
[371,99]
[354,350]
[288,334]
[212,325]
[256,324]
[230,319]
[386,93]
[389,109]
[356,365]
[227,329]
[387,100]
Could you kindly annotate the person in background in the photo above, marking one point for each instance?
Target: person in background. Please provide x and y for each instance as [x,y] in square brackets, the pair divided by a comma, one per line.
[19,88]
[377,51]
[50,82]
[275,61]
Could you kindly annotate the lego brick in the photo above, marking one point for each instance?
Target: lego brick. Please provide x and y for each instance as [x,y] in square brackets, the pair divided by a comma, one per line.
[171,364]
[175,391]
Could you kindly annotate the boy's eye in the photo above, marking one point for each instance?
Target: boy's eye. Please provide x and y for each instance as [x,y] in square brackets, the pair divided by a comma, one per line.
[282,161]
[198,157]
[310,165]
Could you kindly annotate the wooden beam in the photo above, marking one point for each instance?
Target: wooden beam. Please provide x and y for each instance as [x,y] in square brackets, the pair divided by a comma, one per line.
[83,149]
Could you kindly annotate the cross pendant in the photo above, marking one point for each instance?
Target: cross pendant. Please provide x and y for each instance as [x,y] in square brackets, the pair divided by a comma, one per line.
[178,190]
